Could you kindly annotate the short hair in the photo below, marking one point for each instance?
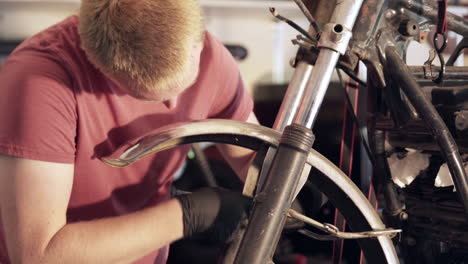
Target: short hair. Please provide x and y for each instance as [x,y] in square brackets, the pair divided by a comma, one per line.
[148,41]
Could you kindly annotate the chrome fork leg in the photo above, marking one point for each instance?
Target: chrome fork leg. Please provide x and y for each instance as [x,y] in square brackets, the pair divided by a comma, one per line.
[334,41]
[268,215]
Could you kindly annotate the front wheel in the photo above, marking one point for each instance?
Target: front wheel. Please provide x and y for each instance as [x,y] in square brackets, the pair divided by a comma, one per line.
[341,191]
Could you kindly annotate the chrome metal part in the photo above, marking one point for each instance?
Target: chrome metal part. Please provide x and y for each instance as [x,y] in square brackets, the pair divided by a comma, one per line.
[335,37]
[336,234]
[390,13]
[292,98]
[217,130]
[343,19]
[388,232]
[287,111]
[316,88]
[346,12]
[184,133]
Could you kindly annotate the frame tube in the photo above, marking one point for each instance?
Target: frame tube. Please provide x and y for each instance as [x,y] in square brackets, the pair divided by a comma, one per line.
[455,23]
[399,71]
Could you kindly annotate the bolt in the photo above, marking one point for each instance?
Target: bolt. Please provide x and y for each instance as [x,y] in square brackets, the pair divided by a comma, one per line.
[403,216]
[390,13]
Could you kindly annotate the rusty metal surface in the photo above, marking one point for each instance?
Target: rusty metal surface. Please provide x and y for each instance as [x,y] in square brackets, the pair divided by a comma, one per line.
[321,10]
[428,9]
[368,20]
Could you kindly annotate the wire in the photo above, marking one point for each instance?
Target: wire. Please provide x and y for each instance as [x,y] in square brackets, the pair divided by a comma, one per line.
[356,121]
[352,75]
[291,23]
[309,16]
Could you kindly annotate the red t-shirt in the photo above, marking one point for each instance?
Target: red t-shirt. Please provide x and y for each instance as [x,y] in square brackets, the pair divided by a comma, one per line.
[56,106]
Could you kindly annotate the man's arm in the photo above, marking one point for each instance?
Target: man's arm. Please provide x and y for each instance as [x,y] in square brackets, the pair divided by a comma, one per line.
[239,158]
[33,200]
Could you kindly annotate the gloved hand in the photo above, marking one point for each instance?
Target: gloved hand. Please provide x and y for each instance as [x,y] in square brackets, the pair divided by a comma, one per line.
[213,212]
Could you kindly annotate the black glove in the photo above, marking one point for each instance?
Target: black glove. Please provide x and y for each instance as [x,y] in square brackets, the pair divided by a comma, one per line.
[214,212]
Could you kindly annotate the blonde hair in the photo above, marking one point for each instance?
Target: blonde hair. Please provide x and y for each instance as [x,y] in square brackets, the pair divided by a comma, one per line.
[147,41]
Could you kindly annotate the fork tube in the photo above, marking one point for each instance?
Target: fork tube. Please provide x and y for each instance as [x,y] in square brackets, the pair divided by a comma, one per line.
[334,41]
[288,110]
[289,107]
[316,88]
[268,215]
[292,98]
[272,204]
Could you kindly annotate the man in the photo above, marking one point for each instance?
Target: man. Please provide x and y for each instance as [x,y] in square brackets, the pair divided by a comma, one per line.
[78,90]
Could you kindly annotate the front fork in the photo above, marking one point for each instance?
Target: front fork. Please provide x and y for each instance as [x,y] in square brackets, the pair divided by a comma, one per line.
[284,168]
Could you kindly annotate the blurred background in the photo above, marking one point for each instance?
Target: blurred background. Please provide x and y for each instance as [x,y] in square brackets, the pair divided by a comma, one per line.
[261,43]
[243,23]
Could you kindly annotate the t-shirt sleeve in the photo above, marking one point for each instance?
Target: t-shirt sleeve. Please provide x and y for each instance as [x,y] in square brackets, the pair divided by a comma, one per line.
[37,109]
[231,100]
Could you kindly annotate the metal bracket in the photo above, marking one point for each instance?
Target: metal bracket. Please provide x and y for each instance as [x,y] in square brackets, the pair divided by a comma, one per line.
[335,233]
[428,71]
[335,37]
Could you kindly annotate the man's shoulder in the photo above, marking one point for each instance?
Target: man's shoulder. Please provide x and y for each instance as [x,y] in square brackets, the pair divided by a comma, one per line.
[56,48]
[217,55]
[53,37]
[212,45]
[57,44]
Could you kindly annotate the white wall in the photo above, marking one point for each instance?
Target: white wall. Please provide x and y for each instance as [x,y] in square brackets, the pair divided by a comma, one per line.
[267,40]
[244,22]
[22,18]
[419,53]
